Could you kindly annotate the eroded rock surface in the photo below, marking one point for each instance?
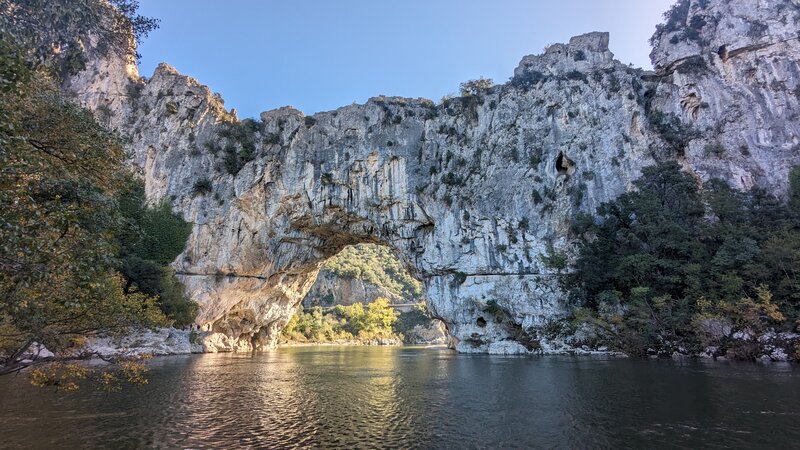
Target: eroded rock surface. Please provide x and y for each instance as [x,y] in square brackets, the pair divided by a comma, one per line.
[470,192]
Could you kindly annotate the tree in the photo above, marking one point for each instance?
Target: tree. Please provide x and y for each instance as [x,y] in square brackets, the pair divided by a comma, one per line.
[58,33]
[380,316]
[59,174]
[657,264]
[149,239]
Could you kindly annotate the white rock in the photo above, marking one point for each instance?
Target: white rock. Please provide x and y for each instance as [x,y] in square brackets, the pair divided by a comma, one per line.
[450,188]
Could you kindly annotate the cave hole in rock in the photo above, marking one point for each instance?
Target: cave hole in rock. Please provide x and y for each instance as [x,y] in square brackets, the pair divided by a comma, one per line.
[354,293]
[564,165]
[723,52]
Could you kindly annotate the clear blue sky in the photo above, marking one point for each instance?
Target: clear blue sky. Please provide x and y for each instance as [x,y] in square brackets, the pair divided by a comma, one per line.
[317,55]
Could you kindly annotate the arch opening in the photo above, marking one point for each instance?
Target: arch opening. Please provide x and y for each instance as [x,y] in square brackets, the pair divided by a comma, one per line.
[364,294]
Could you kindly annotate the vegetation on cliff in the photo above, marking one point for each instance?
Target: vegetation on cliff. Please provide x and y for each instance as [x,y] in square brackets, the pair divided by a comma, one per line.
[377,265]
[149,238]
[673,267]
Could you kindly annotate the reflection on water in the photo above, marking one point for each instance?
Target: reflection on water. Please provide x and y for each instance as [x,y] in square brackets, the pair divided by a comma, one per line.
[350,397]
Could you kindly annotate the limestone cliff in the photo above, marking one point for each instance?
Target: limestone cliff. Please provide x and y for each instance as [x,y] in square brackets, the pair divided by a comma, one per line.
[330,289]
[469,192]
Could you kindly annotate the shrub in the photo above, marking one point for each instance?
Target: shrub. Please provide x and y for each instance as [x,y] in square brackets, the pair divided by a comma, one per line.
[663,263]
[458,279]
[272,139]
[149,239]
[554,259]
[675,133]
[451,179]
[528,79]
[692,65]
[202,186]
[172,108]
[576,75]
[715,149]
[537,197]
[377,265]
[475,87]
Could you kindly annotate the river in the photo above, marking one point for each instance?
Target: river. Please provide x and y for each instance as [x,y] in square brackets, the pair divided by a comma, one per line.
[415,397]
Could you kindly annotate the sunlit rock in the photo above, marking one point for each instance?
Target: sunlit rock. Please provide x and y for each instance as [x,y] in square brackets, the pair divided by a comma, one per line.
[469,193]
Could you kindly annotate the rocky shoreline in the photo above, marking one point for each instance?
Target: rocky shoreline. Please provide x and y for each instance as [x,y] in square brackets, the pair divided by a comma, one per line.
[775,347]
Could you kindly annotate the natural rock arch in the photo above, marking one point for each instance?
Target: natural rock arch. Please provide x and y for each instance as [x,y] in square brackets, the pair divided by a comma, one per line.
[468,193]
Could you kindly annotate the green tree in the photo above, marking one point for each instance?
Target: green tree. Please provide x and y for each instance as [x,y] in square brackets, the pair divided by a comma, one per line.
[660,262]
[57,32]
[377,265]
[149,239]
[59,174]
[380,316]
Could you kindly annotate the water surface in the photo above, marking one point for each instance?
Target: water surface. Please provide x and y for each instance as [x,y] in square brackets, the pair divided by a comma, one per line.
[406,397]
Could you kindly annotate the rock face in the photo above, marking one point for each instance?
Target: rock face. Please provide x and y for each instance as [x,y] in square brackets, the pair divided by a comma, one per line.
[468,193]
[331,289]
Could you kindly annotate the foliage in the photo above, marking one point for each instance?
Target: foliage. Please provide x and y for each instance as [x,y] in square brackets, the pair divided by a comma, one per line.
[406,321]
[59,174]
[69,376]
[554,259]
[56,32]
[343,323]
[377,265]
[241,140]
[458,279]
[693,65]
[149,239]
[660,264]
[528,79]
[475,87]
[675,133]
[677,21]
[202,186]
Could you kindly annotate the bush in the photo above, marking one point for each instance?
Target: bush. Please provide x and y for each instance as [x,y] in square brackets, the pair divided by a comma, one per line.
[408,320]
[202,186]
[576,75]
[475,87]
[692,65]
[528,79]
[715,149]
[554,259]
[353,322]
[458,279]
[272,139]
[672,130]
[240,146]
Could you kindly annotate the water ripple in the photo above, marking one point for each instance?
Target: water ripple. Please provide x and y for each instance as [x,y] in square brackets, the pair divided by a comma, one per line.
[366,397]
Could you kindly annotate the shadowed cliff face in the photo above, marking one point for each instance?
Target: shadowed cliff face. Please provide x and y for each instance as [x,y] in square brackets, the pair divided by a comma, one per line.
[468,193]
